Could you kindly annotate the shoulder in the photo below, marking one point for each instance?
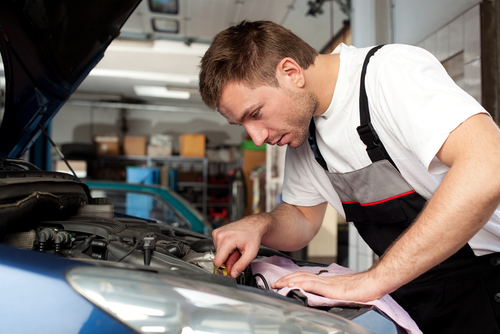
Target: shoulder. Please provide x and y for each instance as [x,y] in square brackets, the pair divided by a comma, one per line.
[404,51]
[388,58]
[399,66]
[408,57]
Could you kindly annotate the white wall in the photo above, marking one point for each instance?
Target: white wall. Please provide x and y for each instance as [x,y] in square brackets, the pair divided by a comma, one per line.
[363,23]
[412,21]
[415,20]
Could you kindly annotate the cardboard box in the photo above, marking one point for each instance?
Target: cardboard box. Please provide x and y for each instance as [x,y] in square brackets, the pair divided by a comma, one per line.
[134,145]
[159,151]
[251,160]
[158,139]
[192,145]
[107,144]
[79,166]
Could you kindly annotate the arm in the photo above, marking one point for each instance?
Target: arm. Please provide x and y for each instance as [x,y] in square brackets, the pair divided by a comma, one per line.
[286,228]
[460,207]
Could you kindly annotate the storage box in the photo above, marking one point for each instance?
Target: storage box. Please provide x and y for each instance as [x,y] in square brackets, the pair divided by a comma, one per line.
[192,145]
[158,139]
[79,166]
[251,160]
[134,145]
[159,151]
[107,144]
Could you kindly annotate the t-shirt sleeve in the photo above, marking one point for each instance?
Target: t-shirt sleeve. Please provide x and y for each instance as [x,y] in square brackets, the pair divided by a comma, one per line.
[421,104]
[301,178]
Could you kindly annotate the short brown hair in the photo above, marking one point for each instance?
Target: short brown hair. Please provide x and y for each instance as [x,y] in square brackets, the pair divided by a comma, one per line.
[249,52]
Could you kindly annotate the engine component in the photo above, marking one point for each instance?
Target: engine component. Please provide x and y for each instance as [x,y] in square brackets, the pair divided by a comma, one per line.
[44,236]
[149,245]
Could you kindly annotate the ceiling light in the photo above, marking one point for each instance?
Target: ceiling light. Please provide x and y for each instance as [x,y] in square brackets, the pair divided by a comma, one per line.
[140,75]
[160,91]
[165,25]
[164,6]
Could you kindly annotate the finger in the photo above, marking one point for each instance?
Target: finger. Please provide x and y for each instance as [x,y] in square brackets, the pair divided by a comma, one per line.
[316,286]
[247,256]
[222,254]
[215,239]
[231,260]
[293,277]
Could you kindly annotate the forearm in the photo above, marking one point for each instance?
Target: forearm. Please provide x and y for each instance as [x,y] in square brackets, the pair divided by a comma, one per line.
[290,228]
[285,228]
[449,221]
[455,213]
[460,207]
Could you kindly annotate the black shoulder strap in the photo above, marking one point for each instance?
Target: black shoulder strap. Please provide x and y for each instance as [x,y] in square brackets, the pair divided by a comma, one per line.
[374,147]
[314,145]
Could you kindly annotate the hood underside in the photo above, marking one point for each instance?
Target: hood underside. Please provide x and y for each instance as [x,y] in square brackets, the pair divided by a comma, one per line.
[48,47]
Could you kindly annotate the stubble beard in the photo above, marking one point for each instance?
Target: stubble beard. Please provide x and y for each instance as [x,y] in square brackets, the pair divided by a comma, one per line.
[305,104]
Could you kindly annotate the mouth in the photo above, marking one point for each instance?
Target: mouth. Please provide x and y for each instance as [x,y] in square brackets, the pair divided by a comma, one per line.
[279,143]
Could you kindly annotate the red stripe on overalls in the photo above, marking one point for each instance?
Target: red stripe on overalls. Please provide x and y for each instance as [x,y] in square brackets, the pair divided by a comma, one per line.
[381,201]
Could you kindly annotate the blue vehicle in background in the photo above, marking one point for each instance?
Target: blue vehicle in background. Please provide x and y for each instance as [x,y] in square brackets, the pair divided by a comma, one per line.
[151,202]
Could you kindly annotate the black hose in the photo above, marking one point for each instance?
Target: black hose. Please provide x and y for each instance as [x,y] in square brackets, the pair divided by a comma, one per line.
[262,278]
[130,251]
[82,247]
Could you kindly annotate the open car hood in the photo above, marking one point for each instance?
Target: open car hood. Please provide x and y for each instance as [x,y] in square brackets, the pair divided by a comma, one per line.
[48,47]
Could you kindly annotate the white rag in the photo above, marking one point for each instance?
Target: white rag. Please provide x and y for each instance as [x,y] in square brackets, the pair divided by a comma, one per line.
[275,267]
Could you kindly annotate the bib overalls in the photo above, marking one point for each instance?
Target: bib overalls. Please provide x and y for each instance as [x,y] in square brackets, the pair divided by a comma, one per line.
[460,295]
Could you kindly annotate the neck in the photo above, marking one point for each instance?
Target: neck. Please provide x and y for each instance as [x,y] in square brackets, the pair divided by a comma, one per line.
[321,79]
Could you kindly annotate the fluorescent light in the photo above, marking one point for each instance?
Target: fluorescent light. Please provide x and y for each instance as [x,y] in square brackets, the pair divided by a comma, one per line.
[160,91]
[140,75]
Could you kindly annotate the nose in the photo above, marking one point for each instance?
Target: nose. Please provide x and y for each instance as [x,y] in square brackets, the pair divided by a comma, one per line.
[257,133]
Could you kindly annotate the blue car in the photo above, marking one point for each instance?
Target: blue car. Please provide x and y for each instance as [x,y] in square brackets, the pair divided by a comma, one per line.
[68,263]
[151,202]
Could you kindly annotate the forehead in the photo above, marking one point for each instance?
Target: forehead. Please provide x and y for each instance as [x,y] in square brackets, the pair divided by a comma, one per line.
[235,98]
[238,98]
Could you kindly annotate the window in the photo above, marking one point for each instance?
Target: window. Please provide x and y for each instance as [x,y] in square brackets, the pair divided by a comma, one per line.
[166,25]
[164,6]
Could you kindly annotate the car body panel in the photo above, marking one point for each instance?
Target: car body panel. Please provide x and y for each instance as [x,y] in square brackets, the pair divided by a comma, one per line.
[48,48]
[36,298]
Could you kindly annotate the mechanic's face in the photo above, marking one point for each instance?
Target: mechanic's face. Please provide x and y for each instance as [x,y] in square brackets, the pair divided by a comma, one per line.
[272,115]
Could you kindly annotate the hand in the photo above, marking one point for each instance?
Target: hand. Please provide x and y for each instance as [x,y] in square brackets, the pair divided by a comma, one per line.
[357,287]
[245,236]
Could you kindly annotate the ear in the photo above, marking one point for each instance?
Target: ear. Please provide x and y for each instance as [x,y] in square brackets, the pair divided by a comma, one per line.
[289,70]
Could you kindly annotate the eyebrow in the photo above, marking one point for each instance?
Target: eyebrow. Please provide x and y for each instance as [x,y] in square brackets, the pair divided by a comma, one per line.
[245,115]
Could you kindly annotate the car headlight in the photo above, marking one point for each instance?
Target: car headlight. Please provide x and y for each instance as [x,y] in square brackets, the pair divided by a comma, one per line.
[160,303]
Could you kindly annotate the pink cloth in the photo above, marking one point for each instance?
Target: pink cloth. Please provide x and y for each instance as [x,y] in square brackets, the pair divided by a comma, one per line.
[275,267]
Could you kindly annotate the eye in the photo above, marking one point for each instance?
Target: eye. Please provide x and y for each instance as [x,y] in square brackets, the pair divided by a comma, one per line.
[256,113]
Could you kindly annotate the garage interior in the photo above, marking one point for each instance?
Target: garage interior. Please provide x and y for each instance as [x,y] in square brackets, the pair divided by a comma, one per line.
[140,106]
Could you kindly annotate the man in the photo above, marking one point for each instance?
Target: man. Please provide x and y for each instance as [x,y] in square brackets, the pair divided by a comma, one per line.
[385,137]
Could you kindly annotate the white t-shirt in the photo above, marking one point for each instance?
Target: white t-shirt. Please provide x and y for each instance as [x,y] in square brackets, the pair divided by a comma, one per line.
[414,105]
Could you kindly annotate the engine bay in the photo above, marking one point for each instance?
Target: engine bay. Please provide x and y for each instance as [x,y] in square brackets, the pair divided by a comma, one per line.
[54,213]
[129,241]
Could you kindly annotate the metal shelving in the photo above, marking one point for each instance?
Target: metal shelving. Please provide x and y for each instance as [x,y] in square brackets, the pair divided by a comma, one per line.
[148,161]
